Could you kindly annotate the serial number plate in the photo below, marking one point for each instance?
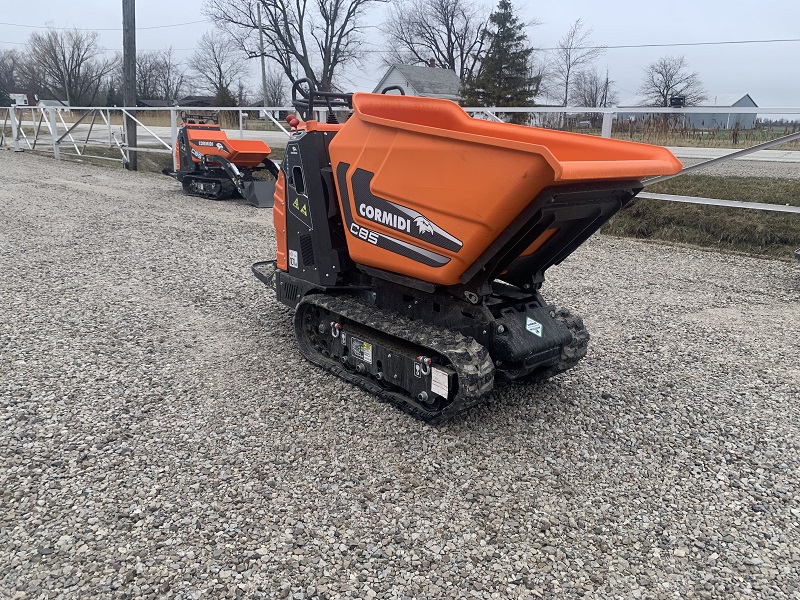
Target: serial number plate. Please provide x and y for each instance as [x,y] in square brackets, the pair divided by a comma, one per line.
[360,349]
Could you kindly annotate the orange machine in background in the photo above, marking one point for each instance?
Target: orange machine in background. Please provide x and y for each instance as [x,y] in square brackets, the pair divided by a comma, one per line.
[211,165]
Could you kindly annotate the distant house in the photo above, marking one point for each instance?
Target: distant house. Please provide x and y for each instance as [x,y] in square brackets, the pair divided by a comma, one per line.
[153,103]
[23,97]
[197,101]
[429,82]
[710,120]
[61,106]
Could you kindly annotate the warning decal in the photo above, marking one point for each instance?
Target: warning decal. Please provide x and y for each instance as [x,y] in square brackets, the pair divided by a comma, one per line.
[440,384]
[533,326]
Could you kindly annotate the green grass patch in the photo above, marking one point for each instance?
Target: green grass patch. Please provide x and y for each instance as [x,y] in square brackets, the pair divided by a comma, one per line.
[762,233]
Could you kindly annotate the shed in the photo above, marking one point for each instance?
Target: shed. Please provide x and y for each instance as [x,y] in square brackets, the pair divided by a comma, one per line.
[430,82]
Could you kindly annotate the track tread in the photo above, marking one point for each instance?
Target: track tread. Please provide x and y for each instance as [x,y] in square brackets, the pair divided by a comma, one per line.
[470,359]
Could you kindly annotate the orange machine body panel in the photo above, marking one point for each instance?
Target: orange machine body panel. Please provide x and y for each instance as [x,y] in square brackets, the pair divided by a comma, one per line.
[211,141]
[279,220]
[468,179]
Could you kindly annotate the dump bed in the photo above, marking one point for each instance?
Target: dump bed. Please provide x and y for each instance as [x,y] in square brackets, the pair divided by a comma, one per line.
[426,190]
[211,140]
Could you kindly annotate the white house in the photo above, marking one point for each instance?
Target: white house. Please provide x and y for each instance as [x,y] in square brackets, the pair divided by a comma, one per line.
[22,97]
[430,82]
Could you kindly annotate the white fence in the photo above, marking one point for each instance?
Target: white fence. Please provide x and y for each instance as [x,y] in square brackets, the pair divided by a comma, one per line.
[45,128]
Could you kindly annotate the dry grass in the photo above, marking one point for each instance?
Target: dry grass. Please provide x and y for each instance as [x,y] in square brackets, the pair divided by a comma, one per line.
[753,232]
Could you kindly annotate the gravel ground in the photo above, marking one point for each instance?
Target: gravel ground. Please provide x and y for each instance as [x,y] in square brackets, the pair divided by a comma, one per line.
[161,436]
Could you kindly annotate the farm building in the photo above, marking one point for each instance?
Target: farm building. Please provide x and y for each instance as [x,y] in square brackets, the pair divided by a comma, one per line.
[430,82]
[714,119]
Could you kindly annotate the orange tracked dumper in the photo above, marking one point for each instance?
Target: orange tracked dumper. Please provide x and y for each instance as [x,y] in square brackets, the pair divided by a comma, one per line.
[412,242]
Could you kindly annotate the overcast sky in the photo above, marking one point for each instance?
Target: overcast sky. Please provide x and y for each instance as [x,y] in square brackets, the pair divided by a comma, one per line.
[769,72]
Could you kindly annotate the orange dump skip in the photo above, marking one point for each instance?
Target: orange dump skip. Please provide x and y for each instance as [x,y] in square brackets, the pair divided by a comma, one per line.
[243,153]
[424,173]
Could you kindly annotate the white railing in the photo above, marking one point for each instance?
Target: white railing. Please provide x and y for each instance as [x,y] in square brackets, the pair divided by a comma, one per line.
[47,127]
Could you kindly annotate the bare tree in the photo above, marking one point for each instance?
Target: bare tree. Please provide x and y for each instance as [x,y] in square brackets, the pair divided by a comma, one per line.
[276,89]
[307,38]
[216,65]
[589,88]
[10,61]
[573,53]
[158,75]
[670,76]
[148,74]
[449,31]
[173,76]
[67,64]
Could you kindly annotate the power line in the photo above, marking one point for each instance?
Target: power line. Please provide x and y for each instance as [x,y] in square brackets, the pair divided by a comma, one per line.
[377,51]
[674,45]
[99,28]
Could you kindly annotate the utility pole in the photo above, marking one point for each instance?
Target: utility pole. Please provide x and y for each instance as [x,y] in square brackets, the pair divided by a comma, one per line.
[263,65]
[129,76]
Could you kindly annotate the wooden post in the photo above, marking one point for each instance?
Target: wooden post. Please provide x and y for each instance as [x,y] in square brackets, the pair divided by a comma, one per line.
[263,64]
[129,76]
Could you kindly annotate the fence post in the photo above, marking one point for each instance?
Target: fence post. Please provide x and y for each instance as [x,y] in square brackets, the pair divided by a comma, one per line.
[108,122]
[14,129]
[608,119]
[173,127]
[241,127]
[51,117]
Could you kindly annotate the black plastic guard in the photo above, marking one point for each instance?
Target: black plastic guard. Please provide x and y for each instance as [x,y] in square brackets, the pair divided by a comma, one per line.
[259,193]
[575,212]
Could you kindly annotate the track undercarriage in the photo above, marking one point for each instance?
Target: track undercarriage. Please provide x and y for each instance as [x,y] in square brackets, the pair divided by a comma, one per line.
[211,186]
[431,371]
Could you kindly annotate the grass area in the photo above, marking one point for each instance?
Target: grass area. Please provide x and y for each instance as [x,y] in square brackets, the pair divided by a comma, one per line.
[701,139]
[712,138]
[753,232]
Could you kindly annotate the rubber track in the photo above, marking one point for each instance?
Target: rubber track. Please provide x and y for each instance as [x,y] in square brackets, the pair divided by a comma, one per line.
[227,188]
[471,361]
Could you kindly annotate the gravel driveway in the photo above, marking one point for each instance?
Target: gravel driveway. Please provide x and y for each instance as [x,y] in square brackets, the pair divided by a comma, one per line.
[161,436]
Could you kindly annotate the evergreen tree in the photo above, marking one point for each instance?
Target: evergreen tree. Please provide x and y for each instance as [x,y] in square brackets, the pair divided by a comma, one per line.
[5,99]
[224,97]
[504,77]
[113,95]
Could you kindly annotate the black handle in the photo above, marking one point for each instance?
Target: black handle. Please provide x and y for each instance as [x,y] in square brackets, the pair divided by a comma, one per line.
[304,101]
[392,88]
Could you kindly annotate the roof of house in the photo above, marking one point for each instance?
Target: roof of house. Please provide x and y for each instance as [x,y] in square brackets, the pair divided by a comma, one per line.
[51,102]
[153,103]
[712,100]
[427,81]
[196,101]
